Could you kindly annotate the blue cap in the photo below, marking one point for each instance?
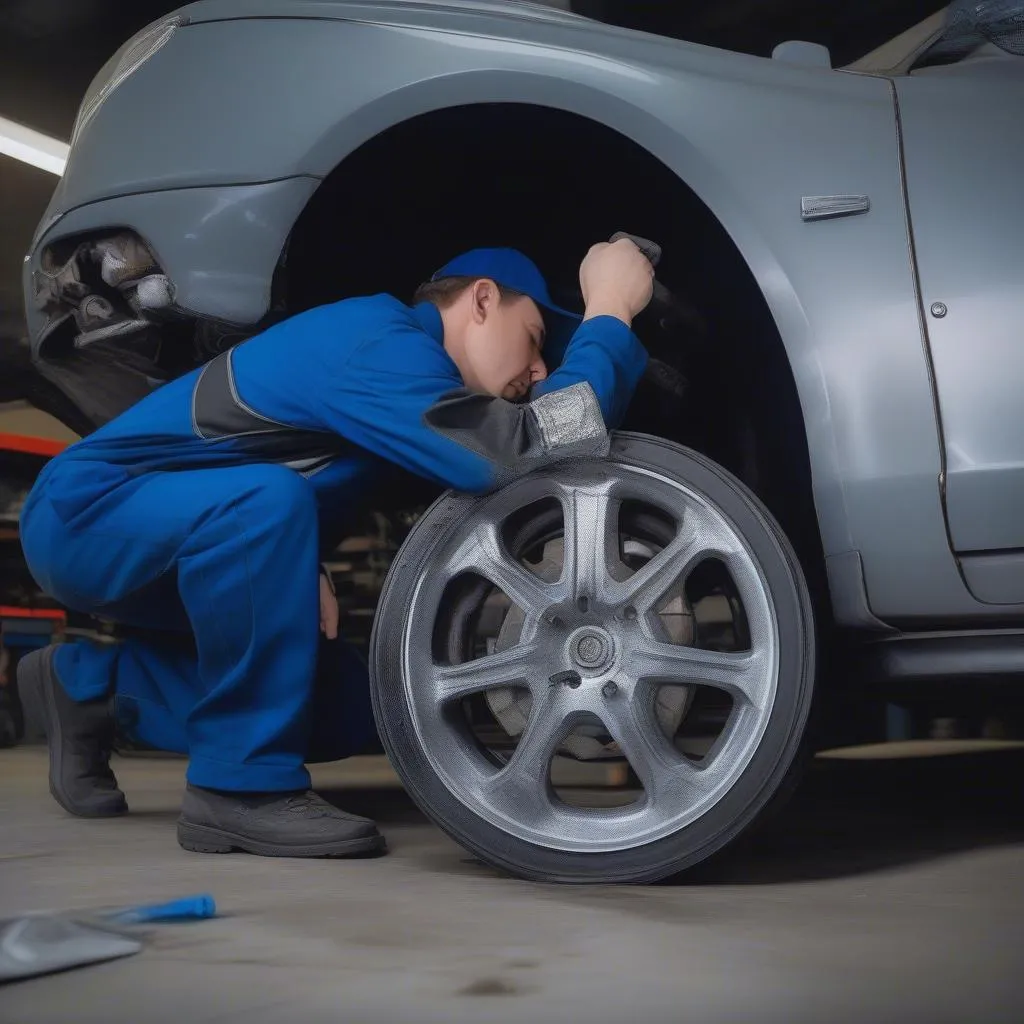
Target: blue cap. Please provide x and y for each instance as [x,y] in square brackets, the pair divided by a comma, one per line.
[511,269]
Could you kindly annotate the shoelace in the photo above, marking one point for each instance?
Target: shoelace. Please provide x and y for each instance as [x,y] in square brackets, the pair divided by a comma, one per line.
[306,802]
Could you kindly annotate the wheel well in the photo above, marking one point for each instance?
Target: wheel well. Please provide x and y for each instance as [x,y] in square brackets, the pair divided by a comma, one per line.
[551,183]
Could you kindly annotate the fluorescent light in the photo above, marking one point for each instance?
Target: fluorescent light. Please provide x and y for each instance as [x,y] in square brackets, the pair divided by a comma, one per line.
[32,147]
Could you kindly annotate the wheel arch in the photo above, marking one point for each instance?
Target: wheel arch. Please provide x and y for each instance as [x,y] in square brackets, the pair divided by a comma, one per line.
[691,169]
[697,172]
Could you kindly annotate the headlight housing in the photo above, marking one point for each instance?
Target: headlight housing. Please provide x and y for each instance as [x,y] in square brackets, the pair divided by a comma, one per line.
[124,63]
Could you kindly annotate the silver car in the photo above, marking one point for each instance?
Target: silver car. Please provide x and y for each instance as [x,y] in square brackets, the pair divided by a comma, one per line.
[604,672]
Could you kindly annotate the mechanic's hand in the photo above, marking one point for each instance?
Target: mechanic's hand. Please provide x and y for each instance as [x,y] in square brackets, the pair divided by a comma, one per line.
[328,609]
[617,280]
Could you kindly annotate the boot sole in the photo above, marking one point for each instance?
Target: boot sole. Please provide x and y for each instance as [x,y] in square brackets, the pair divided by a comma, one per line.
[35,688]
[204,839]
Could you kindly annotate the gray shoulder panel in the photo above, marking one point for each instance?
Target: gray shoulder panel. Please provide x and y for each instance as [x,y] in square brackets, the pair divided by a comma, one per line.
[216,408]
[220,414]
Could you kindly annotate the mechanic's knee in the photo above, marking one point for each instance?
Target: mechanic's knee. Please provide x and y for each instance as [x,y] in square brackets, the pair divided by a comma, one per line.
[278,495]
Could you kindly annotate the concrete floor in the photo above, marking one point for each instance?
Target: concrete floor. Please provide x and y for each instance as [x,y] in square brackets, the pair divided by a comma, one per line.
[889,891]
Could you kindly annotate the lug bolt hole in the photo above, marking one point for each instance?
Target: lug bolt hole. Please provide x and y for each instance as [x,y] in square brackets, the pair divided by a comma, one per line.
[583,604]
[629,613]
[571,679]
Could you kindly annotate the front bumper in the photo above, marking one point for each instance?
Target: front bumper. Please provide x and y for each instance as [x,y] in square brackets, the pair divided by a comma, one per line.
[218,246]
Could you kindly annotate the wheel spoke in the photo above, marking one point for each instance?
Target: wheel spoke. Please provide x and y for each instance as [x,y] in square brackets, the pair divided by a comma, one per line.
[590,527]
[675,562]
[516,665]
[744,675]
[521,787]
[484,553]
[670,781]
[749,589]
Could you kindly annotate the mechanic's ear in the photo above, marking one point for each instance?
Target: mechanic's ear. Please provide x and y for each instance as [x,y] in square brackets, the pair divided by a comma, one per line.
[485,297]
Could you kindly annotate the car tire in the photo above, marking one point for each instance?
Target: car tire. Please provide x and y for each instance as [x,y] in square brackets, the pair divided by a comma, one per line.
[499,817]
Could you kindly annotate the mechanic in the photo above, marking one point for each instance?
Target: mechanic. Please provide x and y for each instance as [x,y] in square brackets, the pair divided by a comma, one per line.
[198,513]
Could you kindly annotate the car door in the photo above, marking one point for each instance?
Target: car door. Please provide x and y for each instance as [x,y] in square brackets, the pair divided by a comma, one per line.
[963,137]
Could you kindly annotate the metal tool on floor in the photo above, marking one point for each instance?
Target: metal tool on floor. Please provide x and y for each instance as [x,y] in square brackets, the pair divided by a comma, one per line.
[45,942]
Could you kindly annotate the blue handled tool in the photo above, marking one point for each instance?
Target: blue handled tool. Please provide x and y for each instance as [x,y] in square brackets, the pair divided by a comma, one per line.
[45,942]
[189,908]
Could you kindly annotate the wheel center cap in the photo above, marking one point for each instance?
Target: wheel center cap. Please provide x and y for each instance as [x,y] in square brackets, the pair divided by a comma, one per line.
[591,648]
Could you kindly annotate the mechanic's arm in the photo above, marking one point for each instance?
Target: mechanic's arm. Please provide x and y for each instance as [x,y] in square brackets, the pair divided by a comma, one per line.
[431,425]
[415,417]
[568,415]
[571,412]
[605,354]
[617,281]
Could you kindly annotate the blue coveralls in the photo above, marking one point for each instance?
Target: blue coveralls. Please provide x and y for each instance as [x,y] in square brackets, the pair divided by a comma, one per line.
[200,510]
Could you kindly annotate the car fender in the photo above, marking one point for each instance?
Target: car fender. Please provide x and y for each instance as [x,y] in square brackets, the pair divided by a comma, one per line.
[751,137]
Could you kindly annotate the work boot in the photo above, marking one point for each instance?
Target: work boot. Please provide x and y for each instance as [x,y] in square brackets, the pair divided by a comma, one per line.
[80,736]
[297,824]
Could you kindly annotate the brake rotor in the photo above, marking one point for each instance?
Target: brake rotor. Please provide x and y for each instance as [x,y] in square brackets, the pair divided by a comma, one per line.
[591,742]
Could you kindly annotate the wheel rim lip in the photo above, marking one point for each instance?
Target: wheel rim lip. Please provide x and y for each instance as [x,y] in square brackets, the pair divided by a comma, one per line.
[451,768]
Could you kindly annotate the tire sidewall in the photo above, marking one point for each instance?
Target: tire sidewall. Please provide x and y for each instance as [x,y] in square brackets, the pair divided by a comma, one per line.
[734,812]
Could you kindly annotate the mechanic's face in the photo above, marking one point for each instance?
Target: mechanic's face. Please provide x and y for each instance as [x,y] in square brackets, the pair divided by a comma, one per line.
[503,342]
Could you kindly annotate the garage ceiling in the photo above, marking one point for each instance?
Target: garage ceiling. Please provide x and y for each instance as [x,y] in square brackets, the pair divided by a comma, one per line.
[50,50]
